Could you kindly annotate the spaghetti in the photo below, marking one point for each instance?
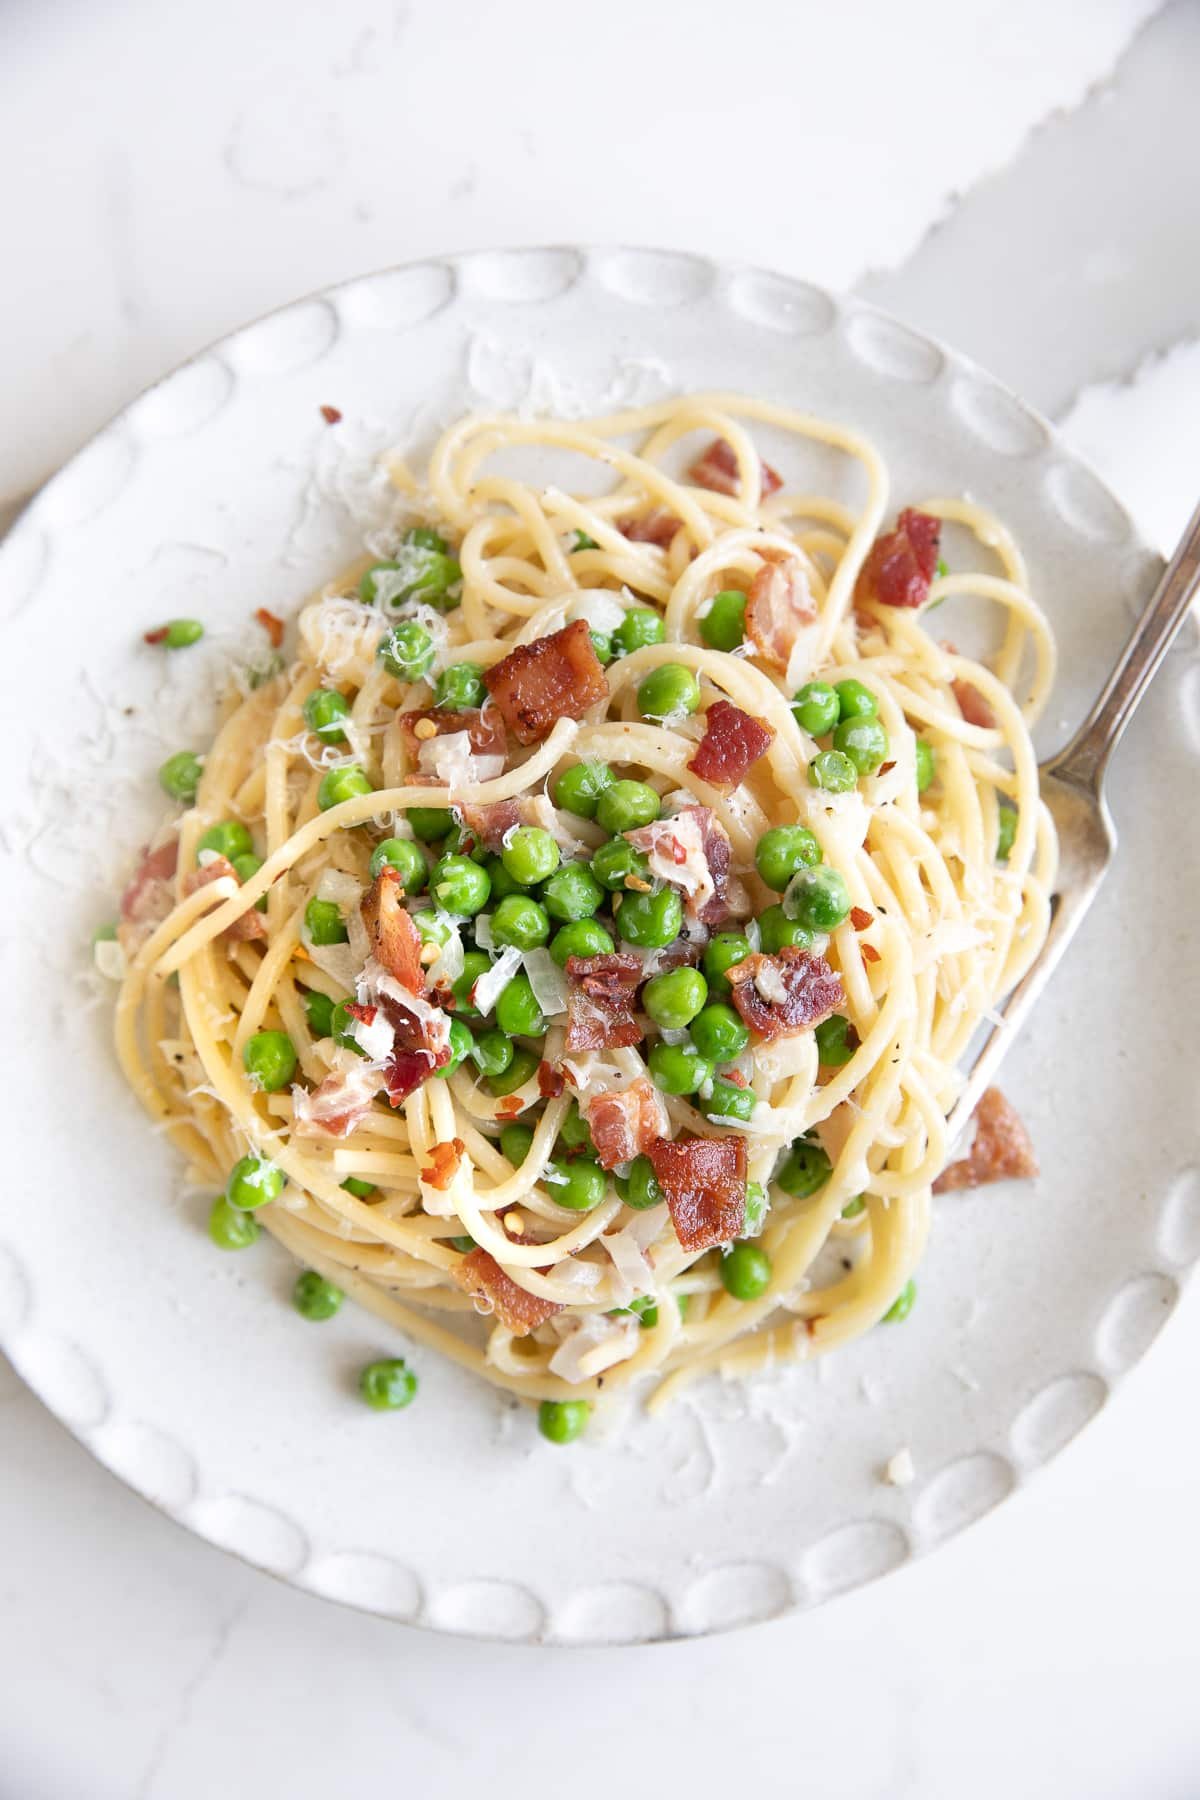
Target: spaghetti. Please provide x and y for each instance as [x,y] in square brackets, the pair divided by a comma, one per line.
[635,869]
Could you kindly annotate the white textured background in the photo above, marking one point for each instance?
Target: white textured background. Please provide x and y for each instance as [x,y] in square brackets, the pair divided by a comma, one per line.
[1018,177]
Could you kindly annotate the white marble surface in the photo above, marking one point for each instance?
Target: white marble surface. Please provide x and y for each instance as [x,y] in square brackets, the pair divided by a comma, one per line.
[1018,176]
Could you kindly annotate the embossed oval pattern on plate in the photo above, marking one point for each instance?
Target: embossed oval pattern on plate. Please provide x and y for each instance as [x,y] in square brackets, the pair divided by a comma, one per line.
[962,1492]
[1053,1417]
[779,304]
[490,1609]
[1133,1319]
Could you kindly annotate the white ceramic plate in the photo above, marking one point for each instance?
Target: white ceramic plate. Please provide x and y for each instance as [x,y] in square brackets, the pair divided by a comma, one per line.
[186,1371]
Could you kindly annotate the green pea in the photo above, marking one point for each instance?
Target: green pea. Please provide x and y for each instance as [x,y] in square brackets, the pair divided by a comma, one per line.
[776,931]
[640,1188]
[324,711]
[475,964]
[182,632]
[682,1301]
[864,741]
[389,1385]
[833,1037]
[615,861]
[626,805]
[758,1205]
[780,852]
[229,1228]
[246,866]
[926,765]
[460,886]
[464,1244]
[342,784]
[424,537]
[270,1060]
[816,708]
[719,1033]
[460,840]
[502,882]
[571,893]
[723,626]
[668,692]
[673,998]
[854,1207]
[530,855]
[432,930]
[515,1143]
[406,651]
[833,771]
[402,855]
[359,1189]
[319,1008]
[459,686]
[745,1271]
[462,1043]
[229,839]
[254,1182]
[724,951]
[342,1025]
[902,1305]
[728,1101]
[575,1133]
[819,898]
[426,573]
[517,1011]
[583,937]
[651,921]
[522,1068]
[105,934]
[562,1421]
[429,823]
[646,1309]
[1006,832]
[521,922]
[638,628]
[492,1053]
[314,1297]
[180,775]
[578,1184]
[678,1068]
[323,922]
[602,645]
[578,788]
[804,1169]
[582,542]
[855,701]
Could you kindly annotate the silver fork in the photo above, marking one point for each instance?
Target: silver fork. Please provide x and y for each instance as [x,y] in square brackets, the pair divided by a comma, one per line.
[1072,786]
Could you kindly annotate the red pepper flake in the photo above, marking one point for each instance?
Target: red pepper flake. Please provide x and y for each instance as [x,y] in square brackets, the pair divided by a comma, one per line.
[331,415]
[273,627]
[870,953]
[366,1015]
[440,1171]
[509,1108]
[157,636]
[550,1081]
[860,918]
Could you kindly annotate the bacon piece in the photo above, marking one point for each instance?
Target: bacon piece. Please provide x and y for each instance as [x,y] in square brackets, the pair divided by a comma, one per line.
[418,1048]
[149,896]
[273,627]
[782,994]
[732,742]
[860,918]
[395,940]
[691,851]
[555,677]
[704,1184]
[901,564]
[600,1003]
[334,1108]
[626,1121]
[551,1081]
[972,705]
[331,415]
[251,924]
[657,527]
[520,1312]
[778,607]
[488,824]
[442,1167]
[1002,1149]
[157,636]
[717,469]
[484,726]
[366,1015]
[870,953]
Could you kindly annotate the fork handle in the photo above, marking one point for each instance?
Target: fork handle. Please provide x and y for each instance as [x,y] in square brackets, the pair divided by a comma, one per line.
[1085,758]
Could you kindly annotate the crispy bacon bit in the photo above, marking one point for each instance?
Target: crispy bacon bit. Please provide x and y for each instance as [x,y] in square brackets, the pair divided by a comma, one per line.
[626,1122]
[418,1047]
[442,1167]
[406,1069]
[717,469]
[704,1183]
[484,727]
[483,1278]
[555,677]
[157,636]
[805,991]
[333,1109]
[732,742]
[901,564]
[972,705]
[251,924]
[331,415]
[1002,1149]
[690,850]
[395,940]
[657,527]
[273,627]
[778,607]
[600,1003]
[148,898]
[870,953]
[860,918]
[550,1081]
[488,824]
